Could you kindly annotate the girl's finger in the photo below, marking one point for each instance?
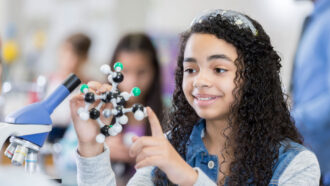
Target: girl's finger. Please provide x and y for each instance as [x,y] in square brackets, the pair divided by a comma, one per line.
[104,88]
[141,143]
[156,128]
[94,85]
[77,97]
[76,100]
[147,152]
[149,161]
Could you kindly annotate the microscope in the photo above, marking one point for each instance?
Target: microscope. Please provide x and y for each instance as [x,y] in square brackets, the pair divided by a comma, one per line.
[29,126]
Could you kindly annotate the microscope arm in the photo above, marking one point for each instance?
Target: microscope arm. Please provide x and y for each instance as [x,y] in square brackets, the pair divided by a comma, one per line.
[11,129]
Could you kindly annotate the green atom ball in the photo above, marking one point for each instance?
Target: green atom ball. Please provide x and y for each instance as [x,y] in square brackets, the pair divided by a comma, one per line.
[118,65]
[83,87]
[136,91]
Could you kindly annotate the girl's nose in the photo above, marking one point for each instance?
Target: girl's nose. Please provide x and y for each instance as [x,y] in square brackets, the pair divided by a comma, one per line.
[202,80]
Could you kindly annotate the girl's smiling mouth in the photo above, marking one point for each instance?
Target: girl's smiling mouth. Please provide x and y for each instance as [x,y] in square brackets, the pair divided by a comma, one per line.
[204,99]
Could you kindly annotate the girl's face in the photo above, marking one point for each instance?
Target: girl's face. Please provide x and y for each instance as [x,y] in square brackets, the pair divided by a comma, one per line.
[138,72]
[208,78]
[68,60]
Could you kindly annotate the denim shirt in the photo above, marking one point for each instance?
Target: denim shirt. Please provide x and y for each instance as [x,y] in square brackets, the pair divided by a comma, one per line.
[198,156]
[295,166]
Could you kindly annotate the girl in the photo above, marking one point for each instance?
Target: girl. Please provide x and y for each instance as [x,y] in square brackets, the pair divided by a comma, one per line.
[141,68]
[229,123]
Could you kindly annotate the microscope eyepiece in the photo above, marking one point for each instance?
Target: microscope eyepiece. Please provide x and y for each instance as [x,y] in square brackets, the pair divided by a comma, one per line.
[72,82]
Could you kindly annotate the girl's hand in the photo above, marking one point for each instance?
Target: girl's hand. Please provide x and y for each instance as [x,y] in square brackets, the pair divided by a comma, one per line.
[87,130]
[156,150]
[119,151]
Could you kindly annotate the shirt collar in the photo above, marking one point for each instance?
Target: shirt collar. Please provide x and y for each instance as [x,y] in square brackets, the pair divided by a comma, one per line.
[195,143]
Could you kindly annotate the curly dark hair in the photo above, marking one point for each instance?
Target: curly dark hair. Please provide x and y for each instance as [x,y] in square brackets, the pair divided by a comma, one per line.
[259,117]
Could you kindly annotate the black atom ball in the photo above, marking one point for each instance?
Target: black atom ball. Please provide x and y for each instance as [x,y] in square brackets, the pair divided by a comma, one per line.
[94,114]
[121,100]
[136,107]
[118,77]
[119,111]
[89,97]
[108,97]
[114,95]
[105,130]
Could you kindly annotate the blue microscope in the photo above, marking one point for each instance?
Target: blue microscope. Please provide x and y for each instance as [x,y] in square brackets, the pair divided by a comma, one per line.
[29,126]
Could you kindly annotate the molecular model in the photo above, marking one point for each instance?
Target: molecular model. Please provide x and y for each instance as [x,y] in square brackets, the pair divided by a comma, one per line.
[116,98]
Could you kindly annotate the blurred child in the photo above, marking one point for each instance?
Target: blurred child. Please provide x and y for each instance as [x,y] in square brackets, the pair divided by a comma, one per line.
[73,54]
[141,69]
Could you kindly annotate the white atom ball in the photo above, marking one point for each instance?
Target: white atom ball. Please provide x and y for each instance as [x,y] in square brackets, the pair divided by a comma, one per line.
[117,128]
[126,95]
[100,138]
[112,132]
[123,120]
[107,113]
[105,69]
[139,115]
[80,110]
[84,115]
[127,138]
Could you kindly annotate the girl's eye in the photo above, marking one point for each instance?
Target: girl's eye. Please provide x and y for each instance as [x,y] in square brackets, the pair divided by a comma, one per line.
[220,70]
[189,70]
